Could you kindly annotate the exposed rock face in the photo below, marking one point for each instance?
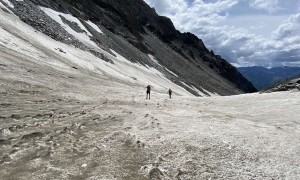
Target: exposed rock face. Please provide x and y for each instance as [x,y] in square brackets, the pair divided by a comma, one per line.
[292,84]
[34,16]
[138,14]
[136,30]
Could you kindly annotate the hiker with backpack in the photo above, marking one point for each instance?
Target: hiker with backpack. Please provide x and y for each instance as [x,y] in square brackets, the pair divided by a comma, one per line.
[170,93]
[148,91]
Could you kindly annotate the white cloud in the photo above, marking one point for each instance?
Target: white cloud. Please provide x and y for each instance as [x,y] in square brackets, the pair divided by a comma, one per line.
[168,7]
[238,41]
[180,9]
[212,8]
[289,28]
[269,5]
[288,37]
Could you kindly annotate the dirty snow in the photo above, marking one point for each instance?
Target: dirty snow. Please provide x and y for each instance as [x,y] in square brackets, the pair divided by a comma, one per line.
[73,116]
[122,68]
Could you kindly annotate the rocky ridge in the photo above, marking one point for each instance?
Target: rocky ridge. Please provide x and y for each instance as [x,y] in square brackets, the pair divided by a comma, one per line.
[135,30]
[292,84]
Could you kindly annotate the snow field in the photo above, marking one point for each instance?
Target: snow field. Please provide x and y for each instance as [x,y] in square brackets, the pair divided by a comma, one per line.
[37,43]
[251,136]
[225,132]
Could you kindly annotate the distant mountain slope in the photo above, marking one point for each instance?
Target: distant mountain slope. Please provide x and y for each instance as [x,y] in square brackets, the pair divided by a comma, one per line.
[286,85]
[262,77]
[133,30]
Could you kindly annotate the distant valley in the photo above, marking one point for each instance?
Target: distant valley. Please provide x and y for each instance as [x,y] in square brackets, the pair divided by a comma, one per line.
[263,78]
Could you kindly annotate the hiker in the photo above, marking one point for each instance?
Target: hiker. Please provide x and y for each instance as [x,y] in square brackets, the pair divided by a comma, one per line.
[170,93]
[148,91]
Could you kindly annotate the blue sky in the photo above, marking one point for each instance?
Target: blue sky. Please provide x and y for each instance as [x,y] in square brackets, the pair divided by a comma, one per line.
[244,32]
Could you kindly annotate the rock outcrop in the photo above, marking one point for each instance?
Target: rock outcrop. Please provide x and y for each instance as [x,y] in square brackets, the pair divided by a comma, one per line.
[292,84]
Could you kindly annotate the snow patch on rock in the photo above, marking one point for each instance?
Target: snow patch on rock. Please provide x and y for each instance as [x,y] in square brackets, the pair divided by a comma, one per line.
[8,3]
[94,26]
[83,37]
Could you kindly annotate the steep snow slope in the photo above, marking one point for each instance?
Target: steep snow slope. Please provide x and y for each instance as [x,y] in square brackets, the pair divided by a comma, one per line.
[134,30]
[17,37]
